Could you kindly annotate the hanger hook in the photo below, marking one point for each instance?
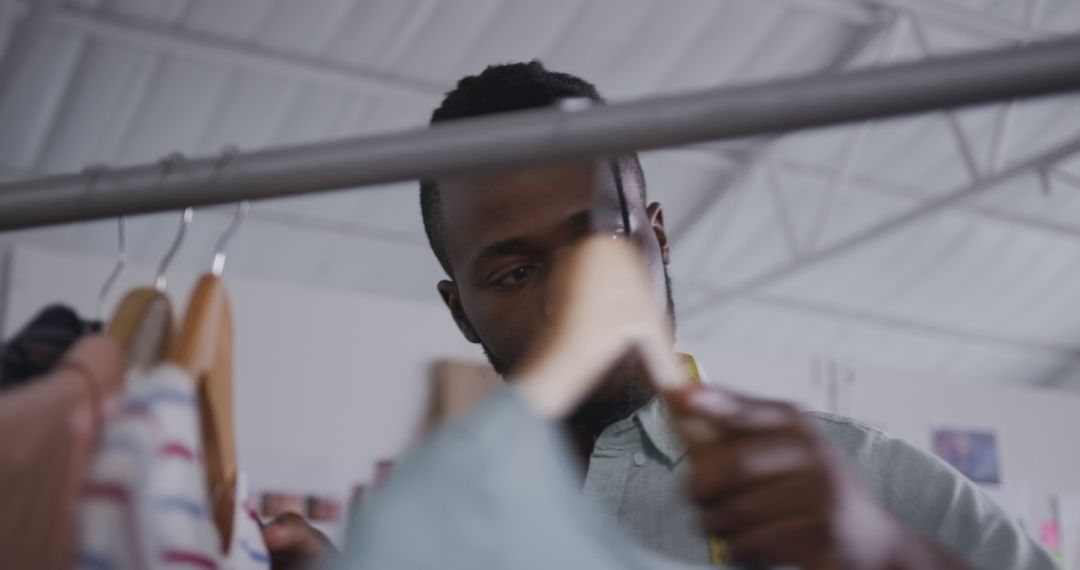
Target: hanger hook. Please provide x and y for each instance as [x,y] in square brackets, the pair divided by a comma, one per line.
[185,221]
[218,265]
[170,162]
[121,260]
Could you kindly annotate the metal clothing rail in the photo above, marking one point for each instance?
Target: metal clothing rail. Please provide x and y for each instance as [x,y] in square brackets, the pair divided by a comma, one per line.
[540,136]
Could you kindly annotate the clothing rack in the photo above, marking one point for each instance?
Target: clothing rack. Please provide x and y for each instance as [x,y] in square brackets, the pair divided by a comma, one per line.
[548,135]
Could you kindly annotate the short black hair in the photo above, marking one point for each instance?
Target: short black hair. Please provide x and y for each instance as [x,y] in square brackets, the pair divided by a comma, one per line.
[499,89]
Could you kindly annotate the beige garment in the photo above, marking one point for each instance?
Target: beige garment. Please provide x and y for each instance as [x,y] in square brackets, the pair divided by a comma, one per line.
[49,427]
[458,385]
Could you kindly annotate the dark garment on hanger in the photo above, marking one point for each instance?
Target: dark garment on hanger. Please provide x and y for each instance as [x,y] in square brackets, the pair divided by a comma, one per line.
[37,348]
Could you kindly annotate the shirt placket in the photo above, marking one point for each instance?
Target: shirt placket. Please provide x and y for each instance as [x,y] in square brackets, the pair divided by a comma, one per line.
[610,463]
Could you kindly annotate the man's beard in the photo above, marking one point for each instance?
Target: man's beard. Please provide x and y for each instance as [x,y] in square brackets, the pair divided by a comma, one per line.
[625,390]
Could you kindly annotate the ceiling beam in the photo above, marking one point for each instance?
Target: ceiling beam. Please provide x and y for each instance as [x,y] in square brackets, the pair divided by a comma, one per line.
[939,12]
[856,13]
[755,149]
[709,202]
[717,297]
[8,17]
[912,194]
[866,13]
[947,13]
[916,11]
[912,326]
[1067,177]
[26,36]
[279,216]
[220,50]
[852,145]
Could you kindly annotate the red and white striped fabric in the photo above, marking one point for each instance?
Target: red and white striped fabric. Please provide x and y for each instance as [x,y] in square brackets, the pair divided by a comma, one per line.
[144,505]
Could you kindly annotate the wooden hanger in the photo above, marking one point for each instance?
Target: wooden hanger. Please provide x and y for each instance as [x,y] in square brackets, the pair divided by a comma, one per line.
[142,323]
[602,310]
[143,326]
[204,348]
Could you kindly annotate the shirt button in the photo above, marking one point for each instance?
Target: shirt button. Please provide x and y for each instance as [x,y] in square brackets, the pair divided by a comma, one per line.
[639,459]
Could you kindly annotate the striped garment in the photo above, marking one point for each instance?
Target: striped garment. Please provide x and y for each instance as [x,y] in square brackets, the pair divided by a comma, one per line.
[144,505]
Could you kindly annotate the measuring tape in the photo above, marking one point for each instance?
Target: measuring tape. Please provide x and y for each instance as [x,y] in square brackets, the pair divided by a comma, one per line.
[718,551]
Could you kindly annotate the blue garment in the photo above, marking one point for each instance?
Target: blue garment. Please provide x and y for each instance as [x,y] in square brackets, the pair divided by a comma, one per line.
[492,490]
[497,489]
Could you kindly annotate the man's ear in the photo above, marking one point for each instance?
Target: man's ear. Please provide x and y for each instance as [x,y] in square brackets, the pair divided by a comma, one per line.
[655,213]
[449,292]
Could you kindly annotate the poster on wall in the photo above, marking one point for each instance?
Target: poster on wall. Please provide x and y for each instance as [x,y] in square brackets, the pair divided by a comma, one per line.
[972,452]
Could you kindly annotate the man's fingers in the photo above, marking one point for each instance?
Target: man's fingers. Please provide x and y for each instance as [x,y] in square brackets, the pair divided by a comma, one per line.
[735,464]
[730,412]
[285,532]
[760,505]
[292,535]
[704,400]
[794,541]
[294,544]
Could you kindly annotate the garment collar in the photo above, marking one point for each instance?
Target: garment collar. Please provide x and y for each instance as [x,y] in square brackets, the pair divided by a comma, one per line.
[655,420]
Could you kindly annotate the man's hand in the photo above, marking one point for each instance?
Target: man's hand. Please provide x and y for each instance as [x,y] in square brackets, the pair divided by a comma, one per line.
[296,545]
[769,484]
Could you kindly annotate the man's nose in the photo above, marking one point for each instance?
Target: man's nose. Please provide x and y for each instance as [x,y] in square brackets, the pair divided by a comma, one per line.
[550,278]
[546,301]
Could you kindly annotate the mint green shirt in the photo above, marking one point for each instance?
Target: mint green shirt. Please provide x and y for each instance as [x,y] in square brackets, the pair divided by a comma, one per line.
[637,474]
[497,489]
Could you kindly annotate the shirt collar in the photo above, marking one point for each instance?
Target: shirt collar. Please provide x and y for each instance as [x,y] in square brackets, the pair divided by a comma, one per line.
[656,425]
[655,420]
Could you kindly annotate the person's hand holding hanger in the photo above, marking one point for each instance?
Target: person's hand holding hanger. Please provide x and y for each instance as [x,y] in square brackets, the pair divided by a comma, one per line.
[765,480]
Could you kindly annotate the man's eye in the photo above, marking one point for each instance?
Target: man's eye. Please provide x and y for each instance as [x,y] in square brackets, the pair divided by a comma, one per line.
[515,276]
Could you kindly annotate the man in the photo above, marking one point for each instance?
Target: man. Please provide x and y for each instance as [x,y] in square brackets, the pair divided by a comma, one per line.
[774,490]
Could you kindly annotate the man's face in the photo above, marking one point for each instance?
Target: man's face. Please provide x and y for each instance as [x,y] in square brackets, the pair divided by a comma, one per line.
[503,234]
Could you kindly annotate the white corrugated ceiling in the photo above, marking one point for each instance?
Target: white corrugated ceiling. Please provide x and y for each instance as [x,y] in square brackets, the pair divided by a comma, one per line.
[983,288]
